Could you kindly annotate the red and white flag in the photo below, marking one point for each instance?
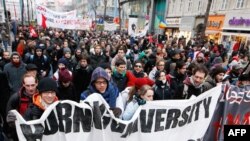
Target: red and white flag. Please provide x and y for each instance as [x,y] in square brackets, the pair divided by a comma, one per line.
[32,32]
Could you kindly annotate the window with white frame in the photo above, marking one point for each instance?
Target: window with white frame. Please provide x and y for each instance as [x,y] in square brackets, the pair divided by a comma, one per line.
[213,5]
[181,4]
[173,5]
[199,5]
[224,4]
[189,5]
[240,4]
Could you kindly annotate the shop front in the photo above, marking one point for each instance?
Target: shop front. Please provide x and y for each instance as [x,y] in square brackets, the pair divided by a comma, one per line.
[214,27]
[172,27]
[236,29]
[187,27]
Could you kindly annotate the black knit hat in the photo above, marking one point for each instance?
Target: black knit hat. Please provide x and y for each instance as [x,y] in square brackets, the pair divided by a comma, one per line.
[47,84]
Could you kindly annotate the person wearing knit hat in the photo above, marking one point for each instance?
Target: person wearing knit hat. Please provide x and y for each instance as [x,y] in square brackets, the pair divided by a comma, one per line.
[62,65]
[66,89]
[15,71]
[139,82]
[47,90]
[100,84]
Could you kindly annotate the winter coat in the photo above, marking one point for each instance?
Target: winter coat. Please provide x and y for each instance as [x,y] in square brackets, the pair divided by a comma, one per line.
[81,79]
[130,109]
[36,109]
[97,60]
[42,63]
[176,84]
[123,80]
[111,93]
[4,93]
[19,101]
[67,93]
[189,89]
[152,74]
[162,91]
[14,76]
[209,83]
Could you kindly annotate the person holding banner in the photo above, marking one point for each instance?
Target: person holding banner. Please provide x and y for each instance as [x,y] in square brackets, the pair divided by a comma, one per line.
[145,93]
[47,88]
[194,85]
[100,84]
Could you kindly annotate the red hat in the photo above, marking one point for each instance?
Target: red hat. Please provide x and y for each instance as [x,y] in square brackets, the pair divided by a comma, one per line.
[64,75]
[139,82]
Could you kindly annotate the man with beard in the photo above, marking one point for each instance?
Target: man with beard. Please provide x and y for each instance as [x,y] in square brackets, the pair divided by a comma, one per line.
[5,60]
[14,72]
[194,85]
[76,57]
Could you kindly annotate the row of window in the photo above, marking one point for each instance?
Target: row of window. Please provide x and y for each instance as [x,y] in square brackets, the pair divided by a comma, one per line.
[223,6]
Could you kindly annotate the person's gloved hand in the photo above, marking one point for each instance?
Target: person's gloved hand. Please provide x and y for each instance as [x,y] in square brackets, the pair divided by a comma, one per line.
[11,118]
[116,111]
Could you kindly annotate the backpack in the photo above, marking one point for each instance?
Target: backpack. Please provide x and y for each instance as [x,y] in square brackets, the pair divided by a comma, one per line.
[31,59]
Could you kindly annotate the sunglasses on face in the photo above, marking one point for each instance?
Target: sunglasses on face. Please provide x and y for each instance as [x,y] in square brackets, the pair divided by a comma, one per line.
[138,66]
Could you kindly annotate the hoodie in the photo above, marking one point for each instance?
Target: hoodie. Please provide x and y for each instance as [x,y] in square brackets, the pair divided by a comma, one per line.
[111,92]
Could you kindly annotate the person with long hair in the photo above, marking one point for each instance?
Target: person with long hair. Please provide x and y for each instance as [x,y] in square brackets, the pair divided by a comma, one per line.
[137,98]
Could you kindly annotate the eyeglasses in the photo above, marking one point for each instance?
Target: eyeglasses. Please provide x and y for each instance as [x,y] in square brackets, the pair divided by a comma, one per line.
[160,65]
[101,82]
[138,66]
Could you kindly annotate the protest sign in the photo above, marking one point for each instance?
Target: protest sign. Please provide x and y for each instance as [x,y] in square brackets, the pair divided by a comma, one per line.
[64,20]
[92,120]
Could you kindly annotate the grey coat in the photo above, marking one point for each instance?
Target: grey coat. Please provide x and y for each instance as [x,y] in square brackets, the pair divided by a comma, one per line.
[14,76]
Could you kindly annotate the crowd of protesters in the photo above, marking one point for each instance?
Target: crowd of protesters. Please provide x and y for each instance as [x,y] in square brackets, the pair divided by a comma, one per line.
[126,71]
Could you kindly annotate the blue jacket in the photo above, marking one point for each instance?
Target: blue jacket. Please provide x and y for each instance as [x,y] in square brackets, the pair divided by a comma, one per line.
[111,92]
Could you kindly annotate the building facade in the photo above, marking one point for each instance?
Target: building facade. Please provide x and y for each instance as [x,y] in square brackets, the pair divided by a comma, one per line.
[227,22]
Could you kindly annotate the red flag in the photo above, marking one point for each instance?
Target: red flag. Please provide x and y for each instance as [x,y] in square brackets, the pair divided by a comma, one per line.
[44,21]
[33,32]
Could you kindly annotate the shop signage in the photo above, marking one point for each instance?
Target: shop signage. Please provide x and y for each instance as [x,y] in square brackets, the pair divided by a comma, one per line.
[173,21]
[239,21]
[214,24]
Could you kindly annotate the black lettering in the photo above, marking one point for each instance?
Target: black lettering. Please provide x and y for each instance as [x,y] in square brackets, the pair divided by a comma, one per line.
[106,119]
[83,118]
[184,116]
[173,115]
[66,118]
[117,127]
[51,126]
[197,112]
[132,127]
[97,115]
[159,119]
[206,104]
[32,136]
[191,115]
[146,126]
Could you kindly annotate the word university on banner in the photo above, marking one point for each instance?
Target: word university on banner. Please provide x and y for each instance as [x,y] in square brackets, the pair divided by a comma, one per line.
[64,20]
[91,120]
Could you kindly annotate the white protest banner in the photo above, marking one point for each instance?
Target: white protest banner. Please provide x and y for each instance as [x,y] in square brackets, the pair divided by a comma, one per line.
[173,120]
[64,20]
[110,26]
